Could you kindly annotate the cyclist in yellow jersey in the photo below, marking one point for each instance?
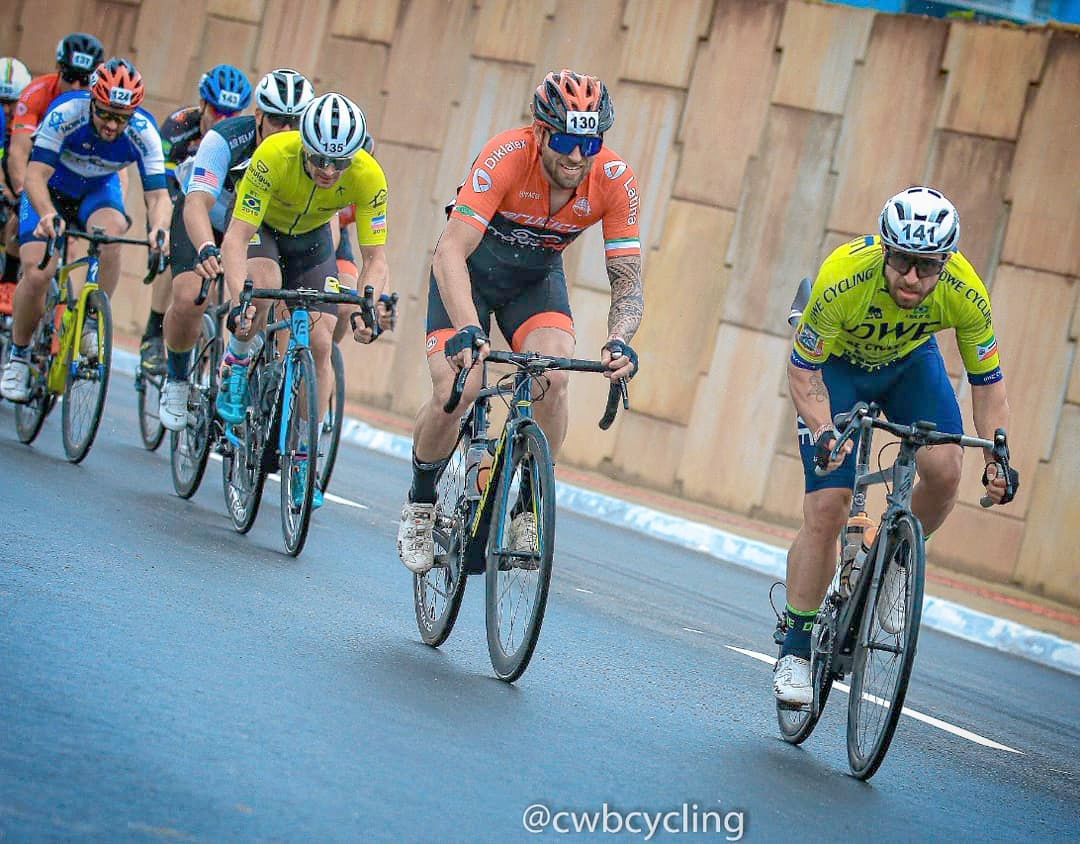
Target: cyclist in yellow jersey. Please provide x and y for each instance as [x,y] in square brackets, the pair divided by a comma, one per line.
[867,333]
[279,234]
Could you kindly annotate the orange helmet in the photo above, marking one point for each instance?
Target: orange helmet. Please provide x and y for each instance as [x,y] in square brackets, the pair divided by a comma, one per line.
[584,97]
[117,84]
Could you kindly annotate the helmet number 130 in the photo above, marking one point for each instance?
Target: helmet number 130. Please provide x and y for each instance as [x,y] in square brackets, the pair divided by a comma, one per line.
[582,122]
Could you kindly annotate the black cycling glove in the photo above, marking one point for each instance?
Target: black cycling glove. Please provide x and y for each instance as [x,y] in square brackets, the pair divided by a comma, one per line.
[1012,481]
[618,347]
[823,446]
[469,337]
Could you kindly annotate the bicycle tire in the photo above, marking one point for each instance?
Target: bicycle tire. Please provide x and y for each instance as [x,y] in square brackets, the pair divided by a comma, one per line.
[83,408]
[330,429]
[298,476]
[30,416]
[250,462]
[796,725]
[867,747]
[528,452]
[438,592]
[190,448]
[148,396]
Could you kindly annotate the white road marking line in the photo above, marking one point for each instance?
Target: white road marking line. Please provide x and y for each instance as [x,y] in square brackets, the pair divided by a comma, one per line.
[918,716]
[586,591]
[693,630]
[327,496]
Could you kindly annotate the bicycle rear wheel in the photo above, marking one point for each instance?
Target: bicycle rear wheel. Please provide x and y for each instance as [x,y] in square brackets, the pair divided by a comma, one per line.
[29,417]
[882,660]
[299,458]
[796,725]
[190,448]
[87,381]
[438,592]
[330,429]
[516,582]
[148,396]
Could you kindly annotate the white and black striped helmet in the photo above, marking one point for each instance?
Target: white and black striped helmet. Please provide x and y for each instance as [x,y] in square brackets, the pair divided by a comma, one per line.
[334,126]
[920,220]
[283,92]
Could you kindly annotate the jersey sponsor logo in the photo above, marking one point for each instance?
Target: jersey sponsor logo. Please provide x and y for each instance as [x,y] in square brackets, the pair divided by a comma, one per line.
[260,179]
[581,207]
[55,121]
[539,221]
[632,194]
[166,147]
[614,169]
[810,341]
[874,313]
[902,331]
[432,342]
[261,167]
[20,108]
[529,194]
[481,180]
[252,204]
[379,198]
[986,350]
[529,238]
[378,224]
[256,239]
[983,306]
[501,151]
[137,123]
[846,284]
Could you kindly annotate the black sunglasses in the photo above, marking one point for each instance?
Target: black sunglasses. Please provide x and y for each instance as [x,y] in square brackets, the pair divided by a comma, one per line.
[321,162]
[106,116]
[902,262]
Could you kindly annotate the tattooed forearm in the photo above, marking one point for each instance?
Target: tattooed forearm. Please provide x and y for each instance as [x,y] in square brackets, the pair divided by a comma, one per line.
[818,390]
[627,296]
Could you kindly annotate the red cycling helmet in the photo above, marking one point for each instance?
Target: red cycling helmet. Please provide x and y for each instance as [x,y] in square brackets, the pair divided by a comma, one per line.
[117,84]
[567,91]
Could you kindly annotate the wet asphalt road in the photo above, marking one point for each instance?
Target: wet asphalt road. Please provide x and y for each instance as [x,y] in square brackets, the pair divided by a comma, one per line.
[162,677]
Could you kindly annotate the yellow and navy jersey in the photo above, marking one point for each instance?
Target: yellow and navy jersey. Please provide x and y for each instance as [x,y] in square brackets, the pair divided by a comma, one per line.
[851,314]
[277,191]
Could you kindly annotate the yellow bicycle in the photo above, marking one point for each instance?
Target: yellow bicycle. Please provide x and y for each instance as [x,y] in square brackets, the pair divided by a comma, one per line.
[62,361]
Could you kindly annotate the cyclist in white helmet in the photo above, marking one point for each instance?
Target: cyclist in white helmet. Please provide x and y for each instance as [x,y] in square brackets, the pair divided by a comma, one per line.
[279,235]
[867,334]
[200,216]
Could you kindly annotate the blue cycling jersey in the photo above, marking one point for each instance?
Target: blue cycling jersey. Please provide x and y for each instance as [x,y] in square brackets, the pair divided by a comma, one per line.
[66,141]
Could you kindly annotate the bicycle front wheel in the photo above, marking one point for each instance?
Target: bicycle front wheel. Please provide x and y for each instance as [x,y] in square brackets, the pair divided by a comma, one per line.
[247,461]
[300,414]
[520,548]
[87,378]
[190,447]
[330,429]
[885,650]
[796,725]
[148,397]
[437,593]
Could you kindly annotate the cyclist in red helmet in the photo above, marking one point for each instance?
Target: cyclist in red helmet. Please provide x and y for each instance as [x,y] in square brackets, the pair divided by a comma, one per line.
[530,192]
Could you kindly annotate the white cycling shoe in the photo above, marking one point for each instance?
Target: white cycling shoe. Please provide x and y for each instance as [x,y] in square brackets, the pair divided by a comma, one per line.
[173,404]
[415,539]
[791,681]
[15,383]
[892,600]
[523,539]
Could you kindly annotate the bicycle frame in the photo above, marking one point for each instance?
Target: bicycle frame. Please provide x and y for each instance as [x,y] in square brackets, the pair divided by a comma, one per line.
[71,327]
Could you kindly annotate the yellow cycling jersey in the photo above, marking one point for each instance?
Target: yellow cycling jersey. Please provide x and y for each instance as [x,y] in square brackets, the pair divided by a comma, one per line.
[276,190]
[851,314]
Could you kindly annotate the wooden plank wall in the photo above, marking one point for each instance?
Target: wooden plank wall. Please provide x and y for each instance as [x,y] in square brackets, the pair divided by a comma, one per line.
[763,134]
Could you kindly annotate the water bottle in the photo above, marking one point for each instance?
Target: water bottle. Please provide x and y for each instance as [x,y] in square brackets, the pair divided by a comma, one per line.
[853,553]
[475,473]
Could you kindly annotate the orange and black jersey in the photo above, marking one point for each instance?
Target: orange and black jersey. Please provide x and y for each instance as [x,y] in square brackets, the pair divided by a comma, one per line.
[507,197]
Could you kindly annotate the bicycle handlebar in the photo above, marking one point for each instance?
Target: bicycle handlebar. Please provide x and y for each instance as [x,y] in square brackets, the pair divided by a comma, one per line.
[98,238]
[158,260]
[204,288]
[919,434]
[370,316]
[303,296]
[537,363]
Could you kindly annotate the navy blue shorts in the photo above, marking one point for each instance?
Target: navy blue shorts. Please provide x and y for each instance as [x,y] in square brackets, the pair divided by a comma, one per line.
[914,388]
[100,193]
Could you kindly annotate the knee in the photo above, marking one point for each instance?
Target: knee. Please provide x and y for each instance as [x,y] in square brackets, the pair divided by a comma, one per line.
[825,511]
[942,474]
[555,392]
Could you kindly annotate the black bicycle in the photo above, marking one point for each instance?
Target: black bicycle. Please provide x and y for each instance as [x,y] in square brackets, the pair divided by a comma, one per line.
[190,448]
[148,384]
[868,624]
[495,513]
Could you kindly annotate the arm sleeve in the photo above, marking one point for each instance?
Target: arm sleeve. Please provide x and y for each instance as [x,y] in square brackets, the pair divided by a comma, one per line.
[371,209]
[210,167]
[621,213]
[254,191]
[975,334]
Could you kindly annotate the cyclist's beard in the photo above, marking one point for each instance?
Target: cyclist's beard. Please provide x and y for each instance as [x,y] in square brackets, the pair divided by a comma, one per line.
[559,177]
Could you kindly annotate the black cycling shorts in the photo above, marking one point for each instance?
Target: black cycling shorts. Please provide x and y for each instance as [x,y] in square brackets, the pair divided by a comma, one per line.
[182,254]
[306,260]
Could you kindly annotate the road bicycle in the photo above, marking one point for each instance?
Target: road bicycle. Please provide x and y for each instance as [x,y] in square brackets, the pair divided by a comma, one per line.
[281,422]
[58,365]
[486,486]
[858,629]
[190,448]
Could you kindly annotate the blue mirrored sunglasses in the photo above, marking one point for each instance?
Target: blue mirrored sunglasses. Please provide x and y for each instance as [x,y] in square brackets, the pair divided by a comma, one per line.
[564,143]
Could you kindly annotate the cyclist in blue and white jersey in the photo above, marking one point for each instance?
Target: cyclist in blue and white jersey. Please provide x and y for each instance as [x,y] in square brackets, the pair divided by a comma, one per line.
[84,140]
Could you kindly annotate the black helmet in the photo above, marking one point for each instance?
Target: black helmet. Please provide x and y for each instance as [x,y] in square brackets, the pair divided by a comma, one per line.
[78,54]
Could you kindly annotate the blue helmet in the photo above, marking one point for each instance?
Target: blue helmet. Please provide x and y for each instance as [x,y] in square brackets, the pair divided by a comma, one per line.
[225,88]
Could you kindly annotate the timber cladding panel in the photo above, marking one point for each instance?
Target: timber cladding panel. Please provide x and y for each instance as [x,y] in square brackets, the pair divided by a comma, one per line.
[763,133]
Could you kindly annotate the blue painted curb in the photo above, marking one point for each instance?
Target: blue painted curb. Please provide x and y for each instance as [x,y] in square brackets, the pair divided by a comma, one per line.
[938,614]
